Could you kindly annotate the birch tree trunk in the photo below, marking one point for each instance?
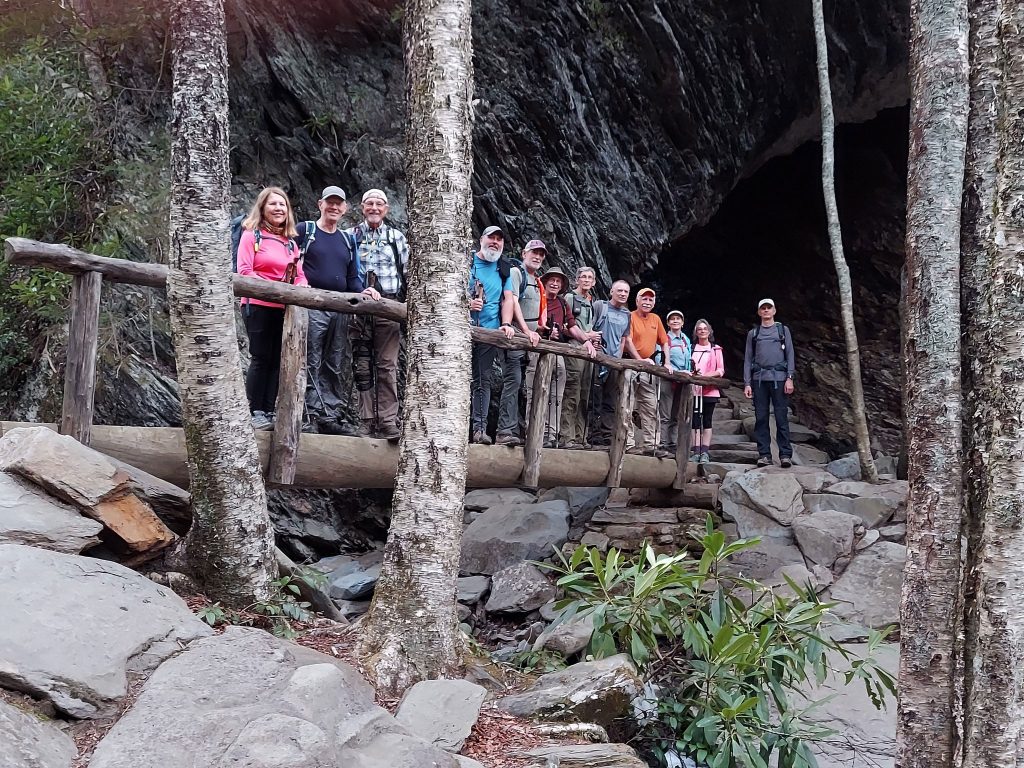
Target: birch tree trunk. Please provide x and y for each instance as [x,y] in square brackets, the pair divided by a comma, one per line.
[231,543]
[835,237]
[993,263]
[932,391]
[412,628]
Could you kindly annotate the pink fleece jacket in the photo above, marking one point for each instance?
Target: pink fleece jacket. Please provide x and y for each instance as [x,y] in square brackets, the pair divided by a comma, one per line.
[270,262]
[707,361]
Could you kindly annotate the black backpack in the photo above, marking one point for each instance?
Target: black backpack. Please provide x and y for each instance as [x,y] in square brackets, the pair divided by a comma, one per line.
[309,237]
[753,342]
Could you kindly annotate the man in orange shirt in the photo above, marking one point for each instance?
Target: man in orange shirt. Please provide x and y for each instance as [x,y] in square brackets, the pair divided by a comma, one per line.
[646,334]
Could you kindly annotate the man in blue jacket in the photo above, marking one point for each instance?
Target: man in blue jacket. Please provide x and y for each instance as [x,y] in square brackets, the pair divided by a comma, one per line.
[768,367]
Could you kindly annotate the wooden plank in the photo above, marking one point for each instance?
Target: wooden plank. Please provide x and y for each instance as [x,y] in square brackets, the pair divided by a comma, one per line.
[80,367]
[536,420]
[684,434]
[623,394]
[291,395]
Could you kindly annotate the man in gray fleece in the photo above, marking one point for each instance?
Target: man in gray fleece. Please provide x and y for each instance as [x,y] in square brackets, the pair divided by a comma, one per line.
[768,363]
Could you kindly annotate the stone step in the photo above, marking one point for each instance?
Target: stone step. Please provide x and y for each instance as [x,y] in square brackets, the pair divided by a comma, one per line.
[699,495]
[734,456]
[728,426]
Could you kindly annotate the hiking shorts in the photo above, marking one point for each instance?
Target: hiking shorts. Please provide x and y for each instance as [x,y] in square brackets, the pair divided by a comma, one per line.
[702,418]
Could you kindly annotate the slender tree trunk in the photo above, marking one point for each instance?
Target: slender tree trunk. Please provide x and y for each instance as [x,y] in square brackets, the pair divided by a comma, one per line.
[835,237]
[412,628]
[993,263]
[231,543]
[932,392]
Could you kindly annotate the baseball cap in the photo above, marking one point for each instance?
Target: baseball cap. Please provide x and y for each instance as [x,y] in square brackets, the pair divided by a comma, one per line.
[333,192]
[536,245]
[378,193]
[490,231]
[644,292]
[674,312]
[762,302]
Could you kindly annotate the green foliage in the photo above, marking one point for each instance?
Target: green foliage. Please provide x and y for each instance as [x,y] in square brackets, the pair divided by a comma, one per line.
[727,656]
[213,614]
[276,612]
[542,661]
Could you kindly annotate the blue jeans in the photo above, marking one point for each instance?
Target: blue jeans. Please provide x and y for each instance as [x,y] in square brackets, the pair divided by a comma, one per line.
[771,393]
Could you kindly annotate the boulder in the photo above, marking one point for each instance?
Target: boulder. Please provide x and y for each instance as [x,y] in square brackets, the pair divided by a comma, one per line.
[733,455]
[728,426]
[870,537]
[868,592]
[751,523]
[825,536]
[246,698]
[75,626]
[595,539]
[897,532]
[720,469]
[355,584]
[511,533]
[587,756]
[846,467]
[519,588]
[86,479]
[567,637]
[798,433]
[806,455]
[30,517]
[801,576]
[599,692]
[442,712]
[485,498]
[472,589]
[764,560]
[634,516]
[29,742]
[777,495]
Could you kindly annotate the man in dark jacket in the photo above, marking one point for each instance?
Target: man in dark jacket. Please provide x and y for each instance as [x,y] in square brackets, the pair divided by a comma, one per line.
[768,366]
[329,263]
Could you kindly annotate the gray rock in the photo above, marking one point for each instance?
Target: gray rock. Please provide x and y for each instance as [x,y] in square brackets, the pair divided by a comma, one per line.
[868,592]
[595,539]
[28,742]
[511,533]
[845,468]
[472,588]
[806,455]
[798,433]
[246,698]
[587,756]
[870,537]
[799,575]
[518,589]
[875,504]
[75,627]
[582,501]
[779,496]
[485,498]
[825,535]
[765,559]
[721,469]
[751,523]
[352,608]
[468,762]
[897,532]
[728,426]
[442,712]
[589,692]
[355,584]
[29,516]
[813,479]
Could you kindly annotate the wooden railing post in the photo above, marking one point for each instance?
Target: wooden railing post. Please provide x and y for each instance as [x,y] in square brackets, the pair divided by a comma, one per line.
[536,420]
[80,368]
[291,396]
[684,433]
[623,394]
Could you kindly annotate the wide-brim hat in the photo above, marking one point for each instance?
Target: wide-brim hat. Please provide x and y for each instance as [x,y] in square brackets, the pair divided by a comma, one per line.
[556,271]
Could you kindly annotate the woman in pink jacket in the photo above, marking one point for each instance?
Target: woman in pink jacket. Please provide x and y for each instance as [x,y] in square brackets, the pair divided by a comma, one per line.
[707,361]
[267,250]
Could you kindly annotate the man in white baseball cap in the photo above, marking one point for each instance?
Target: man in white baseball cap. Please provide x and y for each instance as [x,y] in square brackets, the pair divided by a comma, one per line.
[768,367]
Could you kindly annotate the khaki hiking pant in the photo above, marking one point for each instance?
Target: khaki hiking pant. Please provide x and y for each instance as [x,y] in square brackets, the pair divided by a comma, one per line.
[554,410]
[576,402]
[387,339]
[645,404]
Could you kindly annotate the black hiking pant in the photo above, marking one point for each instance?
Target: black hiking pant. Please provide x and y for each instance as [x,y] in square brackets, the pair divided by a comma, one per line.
[771,394]
[264,326]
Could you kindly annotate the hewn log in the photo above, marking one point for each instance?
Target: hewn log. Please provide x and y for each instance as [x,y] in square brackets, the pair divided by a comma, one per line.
[291,393]
[330,461]
[80,367]
[536,420]
[622,391]
[684,434]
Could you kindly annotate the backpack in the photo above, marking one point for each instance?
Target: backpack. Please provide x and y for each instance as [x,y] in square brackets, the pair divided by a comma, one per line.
[309,237]
[576,305]
[753,343]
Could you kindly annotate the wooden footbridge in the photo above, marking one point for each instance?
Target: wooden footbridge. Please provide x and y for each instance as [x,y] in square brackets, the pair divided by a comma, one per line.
[291,458]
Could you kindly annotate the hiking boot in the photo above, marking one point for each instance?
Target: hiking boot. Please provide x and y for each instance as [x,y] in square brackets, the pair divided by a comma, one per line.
[329,426]
[507,438]
[786,462]
[635,450]
[366,429]
[764,461]
[309,428]
[390,432]
[704,458]
[574,445]
[261,421]
[550,444]
[664,453]
[482,437]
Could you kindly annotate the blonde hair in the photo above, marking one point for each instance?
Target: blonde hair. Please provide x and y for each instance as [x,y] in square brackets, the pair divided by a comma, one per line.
[255,218]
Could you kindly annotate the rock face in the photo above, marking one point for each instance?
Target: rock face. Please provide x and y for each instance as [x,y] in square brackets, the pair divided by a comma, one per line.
[75,626]
[32,518]
[27,742]
[507,534]
[246,698]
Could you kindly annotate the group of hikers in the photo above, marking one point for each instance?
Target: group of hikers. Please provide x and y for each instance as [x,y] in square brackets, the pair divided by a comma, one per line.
[507,293]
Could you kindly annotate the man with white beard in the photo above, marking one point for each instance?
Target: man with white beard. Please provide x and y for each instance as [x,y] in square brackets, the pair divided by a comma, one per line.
[487,275]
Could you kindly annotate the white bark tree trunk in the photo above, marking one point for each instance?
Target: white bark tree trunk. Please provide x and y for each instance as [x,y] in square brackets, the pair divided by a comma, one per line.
[993,262]
[412,628]
[835,237]
[932,393]
[231,543]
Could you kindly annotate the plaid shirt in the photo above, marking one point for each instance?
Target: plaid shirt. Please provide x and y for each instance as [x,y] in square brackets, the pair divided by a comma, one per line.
[377,255]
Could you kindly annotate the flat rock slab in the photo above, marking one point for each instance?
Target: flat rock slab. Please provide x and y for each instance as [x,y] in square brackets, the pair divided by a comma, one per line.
[29,516]
[485,498]
[806,455]
[587,756]
[520,588]
[511,533]
[246,698]
[75,626]
[28,742]
[634,516]
[599,692]
[442,712]
[777,495]
[868,591]
[581,501]
[355,584]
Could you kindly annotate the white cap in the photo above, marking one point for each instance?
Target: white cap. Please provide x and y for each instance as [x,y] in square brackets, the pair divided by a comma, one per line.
[378,193]
[762,302]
